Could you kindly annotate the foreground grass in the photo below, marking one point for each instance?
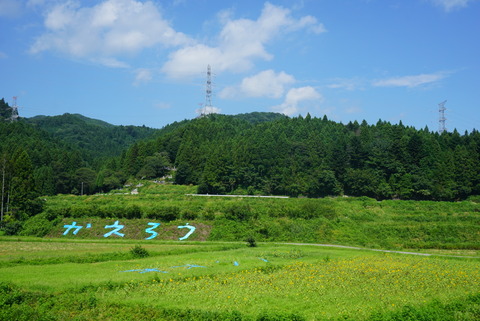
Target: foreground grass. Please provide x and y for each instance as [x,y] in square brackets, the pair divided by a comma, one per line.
[225,281]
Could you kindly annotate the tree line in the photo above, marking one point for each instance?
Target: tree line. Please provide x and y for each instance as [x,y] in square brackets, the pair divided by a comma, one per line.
[316,157]
[256,153]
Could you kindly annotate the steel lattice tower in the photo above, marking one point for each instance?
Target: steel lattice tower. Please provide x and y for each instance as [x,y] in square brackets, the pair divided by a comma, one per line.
[208,92]
[441,119]
[14,115]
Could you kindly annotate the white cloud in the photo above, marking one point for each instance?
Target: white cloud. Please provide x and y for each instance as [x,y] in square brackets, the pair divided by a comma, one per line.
[349,84]
[207,110]
[410,81]
[267,83]
[105,31]
[295,97]
[3,55]
[142,75]
[240,42]
[449,5]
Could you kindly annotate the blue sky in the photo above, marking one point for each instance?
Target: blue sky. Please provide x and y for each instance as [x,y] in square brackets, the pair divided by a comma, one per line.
[133,62]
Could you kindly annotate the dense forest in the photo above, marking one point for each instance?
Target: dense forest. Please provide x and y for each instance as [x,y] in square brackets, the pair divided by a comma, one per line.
[256,153]
[316,157]
[58,155]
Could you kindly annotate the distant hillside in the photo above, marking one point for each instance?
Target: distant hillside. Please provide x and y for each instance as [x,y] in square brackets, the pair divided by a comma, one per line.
[71,153]
[261,153]
[95,137]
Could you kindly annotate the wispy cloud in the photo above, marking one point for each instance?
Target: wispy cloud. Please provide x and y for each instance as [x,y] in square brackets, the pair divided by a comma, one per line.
[450,5]
[142,75]
[410,81]
[10,8]
[349,84]
[240,42]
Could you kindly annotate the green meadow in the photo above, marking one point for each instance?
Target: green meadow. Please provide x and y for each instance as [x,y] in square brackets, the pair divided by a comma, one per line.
[56,279]
[218,273]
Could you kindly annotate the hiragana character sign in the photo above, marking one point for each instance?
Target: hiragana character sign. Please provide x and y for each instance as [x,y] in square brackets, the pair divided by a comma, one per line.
[191,228]
[73,226]
[117,227]
[151,230]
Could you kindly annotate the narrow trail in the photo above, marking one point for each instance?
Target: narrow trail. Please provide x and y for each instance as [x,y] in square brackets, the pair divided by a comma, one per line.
[385,251]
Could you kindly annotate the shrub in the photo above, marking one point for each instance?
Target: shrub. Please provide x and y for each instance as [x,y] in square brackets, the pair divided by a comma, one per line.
[12,228]
[208,215]
[474,198]
[133,211]
[37,226]
[189,215]
[251,242]
[241,212]
[139,252]
[165,214]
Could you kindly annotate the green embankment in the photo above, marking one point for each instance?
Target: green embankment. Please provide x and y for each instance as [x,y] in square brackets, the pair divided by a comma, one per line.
[352,221]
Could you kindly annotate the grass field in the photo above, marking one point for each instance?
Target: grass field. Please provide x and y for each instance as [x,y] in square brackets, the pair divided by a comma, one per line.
[59,279]
[214,275]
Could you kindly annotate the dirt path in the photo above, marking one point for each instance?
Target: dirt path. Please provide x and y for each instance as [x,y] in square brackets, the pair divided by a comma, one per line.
[386,251]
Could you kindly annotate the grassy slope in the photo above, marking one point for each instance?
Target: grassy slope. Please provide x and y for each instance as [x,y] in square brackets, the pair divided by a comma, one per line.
[347,221]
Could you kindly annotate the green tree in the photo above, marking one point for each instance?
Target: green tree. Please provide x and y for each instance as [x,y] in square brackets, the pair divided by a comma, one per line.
[44,180]
[155,166]
[85,180]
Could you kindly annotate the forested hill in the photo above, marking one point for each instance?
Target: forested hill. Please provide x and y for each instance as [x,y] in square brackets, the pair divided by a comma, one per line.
[75,154]
[314,157]
[95,138]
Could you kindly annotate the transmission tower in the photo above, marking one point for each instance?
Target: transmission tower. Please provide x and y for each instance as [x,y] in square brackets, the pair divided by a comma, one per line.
[441,119]
[14,116]
[208,92]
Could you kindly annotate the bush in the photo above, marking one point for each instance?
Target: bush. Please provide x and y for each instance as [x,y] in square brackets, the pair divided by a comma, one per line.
[251,242]
[12,228]
[189,215]
[241,212]
[165,214]
[38,226]
[208,215]
[474,198]
[139,252]
[133,211]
